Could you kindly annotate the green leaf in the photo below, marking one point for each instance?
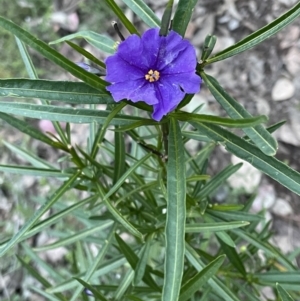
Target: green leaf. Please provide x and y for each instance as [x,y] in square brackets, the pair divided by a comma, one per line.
[236,215]
[44,208]
[133,260]
[195,135]
[283,294]
[116,214]
[119,13]
[201,278]
[223,236]
[183,15]
[86,54]
[120,152]
[36,275]
[208,47]
[233,256]
[290,277]
[29,156]
[96,262]
[213,227]
[44,294]
[32,171]
[166,18]
[78,236]
[30,69]
[122,220]
[143,11]
[218,287]
[137,124]
[97,40]
[217,180]
[266,247]
[176,213]
[27,129]
[258,134]
[33,75]
[259,35]
[228,122]
[101,131]
[95,292]
[272,167]
[64,114]
[70,92]
[107,267]
[142,263]
[52,54]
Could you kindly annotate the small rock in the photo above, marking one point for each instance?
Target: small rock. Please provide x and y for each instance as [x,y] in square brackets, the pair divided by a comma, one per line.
[262,106]
[265,198]
[288,3]
[290,39]
[292,61]
[282,208]
[283,89]
[290,132]
[247,177]
[233,24]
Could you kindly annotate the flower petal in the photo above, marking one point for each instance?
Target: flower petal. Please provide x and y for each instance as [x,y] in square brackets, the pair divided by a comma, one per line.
[138,90]
[132,51]
[185,61]
[169,97]
[118,70]
[189,82]
[151,44]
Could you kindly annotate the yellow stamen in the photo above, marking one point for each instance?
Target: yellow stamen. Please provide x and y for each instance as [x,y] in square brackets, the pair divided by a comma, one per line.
[152,76]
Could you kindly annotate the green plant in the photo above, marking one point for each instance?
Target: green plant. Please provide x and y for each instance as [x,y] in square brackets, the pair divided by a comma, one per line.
[154,198]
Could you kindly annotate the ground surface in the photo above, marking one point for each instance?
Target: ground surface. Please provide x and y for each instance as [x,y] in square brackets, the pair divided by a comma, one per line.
[266,80]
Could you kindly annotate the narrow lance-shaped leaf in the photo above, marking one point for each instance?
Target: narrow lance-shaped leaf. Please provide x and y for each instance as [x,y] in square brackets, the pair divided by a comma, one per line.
[133,260]
[258,134]
[116,214]
[94,291]
[86,54]
[99,41]
[142,263]
[283,294]
[143,11]
[228,122]
[26,128]
[101,131]
[70,92]
[166,18]
[36,275]
[120,152]
[259,35]
[214,227]
[64,114]
[195,283]
[33,75]
[223,236]
[44,208]
[217,180]
[274,168]
[183,15]
[218,287]
[119,13]
[96,262]
[208,47]
[233,256]
[52,54]
[176,213]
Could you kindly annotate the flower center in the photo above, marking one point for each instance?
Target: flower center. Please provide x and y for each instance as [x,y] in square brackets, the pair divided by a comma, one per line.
[152,76]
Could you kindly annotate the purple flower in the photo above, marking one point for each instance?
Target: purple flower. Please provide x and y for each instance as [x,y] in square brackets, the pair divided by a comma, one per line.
[156,69]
